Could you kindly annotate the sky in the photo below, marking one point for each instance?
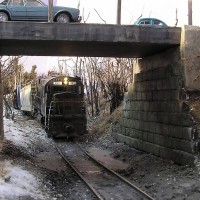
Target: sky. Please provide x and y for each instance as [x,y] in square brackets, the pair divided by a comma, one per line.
[131,10]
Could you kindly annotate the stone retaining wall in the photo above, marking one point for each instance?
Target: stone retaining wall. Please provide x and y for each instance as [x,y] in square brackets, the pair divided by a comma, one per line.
[156,118]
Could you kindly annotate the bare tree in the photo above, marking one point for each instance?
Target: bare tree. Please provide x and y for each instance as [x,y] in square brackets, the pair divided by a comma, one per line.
[106,78]
[176,17]
[100,16]
[11,70]
[115,74]
[83,16]
[91,84]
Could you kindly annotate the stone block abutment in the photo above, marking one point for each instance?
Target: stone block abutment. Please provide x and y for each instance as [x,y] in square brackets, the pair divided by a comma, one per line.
[157,115]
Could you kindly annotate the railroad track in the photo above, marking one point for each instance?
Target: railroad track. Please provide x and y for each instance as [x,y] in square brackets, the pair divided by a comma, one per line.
[102,181]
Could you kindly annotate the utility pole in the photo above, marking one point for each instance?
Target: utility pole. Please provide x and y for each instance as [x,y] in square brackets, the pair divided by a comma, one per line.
[189,12]
[50,11]
[1,107]
[119,5]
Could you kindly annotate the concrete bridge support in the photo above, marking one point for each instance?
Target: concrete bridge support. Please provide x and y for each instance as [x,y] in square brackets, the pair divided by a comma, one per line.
[156,114]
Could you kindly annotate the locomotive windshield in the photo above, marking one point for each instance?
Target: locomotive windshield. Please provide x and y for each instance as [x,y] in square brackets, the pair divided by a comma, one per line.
[64,85]
[55,89]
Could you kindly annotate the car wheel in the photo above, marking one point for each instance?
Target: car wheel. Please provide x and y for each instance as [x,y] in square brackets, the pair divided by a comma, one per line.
[63,18]
[3,17]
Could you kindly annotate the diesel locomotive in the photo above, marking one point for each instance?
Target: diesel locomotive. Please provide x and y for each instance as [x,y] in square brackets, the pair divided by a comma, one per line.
[59,103]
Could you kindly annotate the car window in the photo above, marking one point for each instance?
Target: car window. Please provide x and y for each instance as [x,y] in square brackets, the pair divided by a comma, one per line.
[33,3]
[145,22]
[16,3]
[158,23]
[4,2]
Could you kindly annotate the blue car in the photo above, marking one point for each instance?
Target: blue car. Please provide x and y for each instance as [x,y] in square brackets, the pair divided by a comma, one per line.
[150,22]
[35,10]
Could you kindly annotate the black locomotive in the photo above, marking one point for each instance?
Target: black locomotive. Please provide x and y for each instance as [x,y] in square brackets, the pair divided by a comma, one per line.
[59,101]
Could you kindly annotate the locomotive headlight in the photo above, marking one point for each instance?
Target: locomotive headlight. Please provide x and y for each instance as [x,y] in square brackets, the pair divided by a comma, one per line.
[65,81]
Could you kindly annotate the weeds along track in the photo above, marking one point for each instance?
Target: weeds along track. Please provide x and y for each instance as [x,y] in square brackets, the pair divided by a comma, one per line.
[103,182]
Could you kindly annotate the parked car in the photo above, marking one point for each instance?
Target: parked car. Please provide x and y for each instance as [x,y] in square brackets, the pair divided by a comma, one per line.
[151,22]
[35,10]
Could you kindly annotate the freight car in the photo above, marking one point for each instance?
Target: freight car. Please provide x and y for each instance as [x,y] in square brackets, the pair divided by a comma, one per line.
[59,103]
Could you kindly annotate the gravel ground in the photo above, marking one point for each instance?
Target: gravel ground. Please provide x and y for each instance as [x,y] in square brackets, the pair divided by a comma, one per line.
[160,178]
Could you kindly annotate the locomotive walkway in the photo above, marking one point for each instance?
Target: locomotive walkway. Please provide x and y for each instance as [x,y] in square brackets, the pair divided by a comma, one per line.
[53,39]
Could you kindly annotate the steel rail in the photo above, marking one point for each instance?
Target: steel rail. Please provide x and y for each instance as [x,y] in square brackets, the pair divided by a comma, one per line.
[85,181]
[116,174]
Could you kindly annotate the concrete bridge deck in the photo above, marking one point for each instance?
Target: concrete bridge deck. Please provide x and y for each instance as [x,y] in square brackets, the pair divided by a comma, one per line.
[94,40]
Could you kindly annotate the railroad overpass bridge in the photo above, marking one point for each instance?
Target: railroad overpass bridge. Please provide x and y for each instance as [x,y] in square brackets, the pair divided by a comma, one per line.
[156,114]
[92,40]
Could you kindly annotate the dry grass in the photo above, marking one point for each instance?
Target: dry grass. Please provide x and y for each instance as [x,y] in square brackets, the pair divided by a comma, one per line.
[194,107]
[101,125]
[105,121]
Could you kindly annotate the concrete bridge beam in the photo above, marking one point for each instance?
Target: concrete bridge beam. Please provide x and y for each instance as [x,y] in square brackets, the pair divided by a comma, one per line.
[93,40]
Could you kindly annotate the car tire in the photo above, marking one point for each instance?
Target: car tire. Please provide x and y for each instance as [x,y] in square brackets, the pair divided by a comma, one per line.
[63,18]
[3,17]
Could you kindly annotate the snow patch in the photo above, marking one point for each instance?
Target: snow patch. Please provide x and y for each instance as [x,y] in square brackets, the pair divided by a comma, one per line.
[22,136]
[17,182]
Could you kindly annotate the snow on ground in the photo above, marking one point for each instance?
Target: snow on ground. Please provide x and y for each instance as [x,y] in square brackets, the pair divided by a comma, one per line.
[17,133]
[14,180]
